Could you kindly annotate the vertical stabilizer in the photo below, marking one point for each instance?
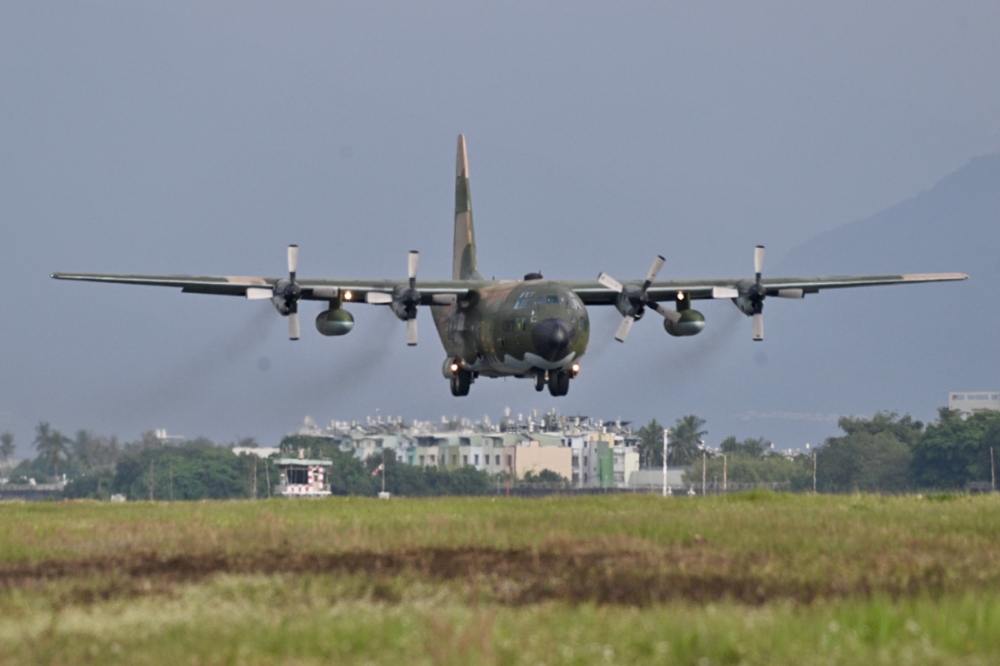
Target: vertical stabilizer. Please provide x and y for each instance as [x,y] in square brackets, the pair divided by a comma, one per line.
[464,258]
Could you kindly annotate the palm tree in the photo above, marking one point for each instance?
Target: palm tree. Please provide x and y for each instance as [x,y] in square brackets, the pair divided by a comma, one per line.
[6,446]
[51,445]
[685,439]
[651,444]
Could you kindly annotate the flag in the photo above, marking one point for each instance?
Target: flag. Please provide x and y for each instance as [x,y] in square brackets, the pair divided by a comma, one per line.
[380,468]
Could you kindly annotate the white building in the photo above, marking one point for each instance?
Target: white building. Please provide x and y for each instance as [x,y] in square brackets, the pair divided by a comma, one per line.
[968,402]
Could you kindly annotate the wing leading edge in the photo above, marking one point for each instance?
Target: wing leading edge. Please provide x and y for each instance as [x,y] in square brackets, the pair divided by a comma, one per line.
[594,293]
[251,287]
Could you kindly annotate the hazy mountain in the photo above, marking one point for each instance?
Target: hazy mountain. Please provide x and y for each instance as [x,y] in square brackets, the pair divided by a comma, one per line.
[898,348]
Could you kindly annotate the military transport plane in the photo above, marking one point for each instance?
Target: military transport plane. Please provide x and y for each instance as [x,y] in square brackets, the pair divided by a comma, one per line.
[532,328]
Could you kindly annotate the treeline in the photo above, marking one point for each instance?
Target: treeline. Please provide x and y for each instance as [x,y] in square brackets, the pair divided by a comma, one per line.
[884,453]
[98,467]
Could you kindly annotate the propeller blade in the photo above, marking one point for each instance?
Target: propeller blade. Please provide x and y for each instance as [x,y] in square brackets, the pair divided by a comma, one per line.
[293,326]
[672,315]
[411,331]
[624,328]
[654,270]
[758,260]
[758,327]
[257,293]
[293,259]
[725,292]
[610,282]
[414,261]
[378,298]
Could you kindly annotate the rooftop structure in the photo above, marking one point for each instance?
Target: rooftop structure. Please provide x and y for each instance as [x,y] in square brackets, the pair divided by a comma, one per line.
[969,402]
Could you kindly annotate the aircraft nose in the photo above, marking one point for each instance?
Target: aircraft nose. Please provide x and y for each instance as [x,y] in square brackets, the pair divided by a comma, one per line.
[552,338]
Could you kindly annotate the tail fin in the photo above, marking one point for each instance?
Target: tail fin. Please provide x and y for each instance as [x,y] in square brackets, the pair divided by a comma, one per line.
[464,265]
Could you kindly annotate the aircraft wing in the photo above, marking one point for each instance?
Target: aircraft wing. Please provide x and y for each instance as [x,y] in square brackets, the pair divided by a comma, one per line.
[371,291]
[595,293]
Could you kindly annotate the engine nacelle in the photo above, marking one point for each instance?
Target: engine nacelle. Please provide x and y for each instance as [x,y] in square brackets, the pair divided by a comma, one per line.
[451,367]
[691,323]
[625,307]
[335,322]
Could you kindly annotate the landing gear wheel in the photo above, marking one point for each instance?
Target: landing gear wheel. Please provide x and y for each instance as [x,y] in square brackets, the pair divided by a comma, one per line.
[460,383]
[539,381]
[559,383]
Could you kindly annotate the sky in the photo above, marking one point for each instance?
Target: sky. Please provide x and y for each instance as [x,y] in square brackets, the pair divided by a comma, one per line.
[203,138]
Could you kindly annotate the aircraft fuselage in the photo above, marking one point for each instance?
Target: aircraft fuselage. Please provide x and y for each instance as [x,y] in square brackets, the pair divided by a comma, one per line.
[523,328]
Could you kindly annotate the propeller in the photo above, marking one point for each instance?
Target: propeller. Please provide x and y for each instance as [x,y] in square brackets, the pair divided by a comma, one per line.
[403,302]
[633,302]
[410,299]
[290,293]
[756,294]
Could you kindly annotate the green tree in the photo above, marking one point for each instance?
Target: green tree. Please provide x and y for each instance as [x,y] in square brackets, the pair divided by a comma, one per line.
[741,469]
[904,428]
[6,445]
[51,446]
[862,461]
[748,448]
[546,477]
[90,452]
[955,451]
[651,444]
[685,440]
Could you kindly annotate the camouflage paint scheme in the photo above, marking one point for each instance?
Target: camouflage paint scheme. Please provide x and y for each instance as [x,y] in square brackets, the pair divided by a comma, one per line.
[533,328]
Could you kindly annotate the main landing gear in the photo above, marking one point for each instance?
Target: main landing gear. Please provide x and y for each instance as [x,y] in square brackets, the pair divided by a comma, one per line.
[460,382]
[558,381]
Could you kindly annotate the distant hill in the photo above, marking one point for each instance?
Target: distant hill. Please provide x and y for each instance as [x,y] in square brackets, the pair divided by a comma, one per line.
[899,348]
[896,348]
[953,226]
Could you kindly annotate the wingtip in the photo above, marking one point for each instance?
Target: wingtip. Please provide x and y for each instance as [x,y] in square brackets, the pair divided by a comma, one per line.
[934,277]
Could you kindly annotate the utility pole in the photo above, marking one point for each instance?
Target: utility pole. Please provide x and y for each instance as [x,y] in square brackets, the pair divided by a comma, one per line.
[704,460]
[993,472]
[814,472]
[383,470]
[666,486]
[725,480]
[171,473]
[255,476]
[267,474]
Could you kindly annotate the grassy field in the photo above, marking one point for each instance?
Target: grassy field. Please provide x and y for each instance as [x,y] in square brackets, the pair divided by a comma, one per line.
[755,578]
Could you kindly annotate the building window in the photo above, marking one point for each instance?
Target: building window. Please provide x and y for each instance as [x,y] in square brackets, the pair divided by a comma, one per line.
[432,460]
[498,460]
[475,459]
[586,477]
[509,461]
[465,460]
[297,476]
[454,460]
[958,396]
[421,460]
[586,461]
[576,461]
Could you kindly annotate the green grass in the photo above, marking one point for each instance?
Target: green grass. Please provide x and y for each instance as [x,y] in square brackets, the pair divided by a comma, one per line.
[757,578]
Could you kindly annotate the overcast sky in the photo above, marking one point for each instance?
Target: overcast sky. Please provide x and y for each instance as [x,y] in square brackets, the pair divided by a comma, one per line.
[203,138]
